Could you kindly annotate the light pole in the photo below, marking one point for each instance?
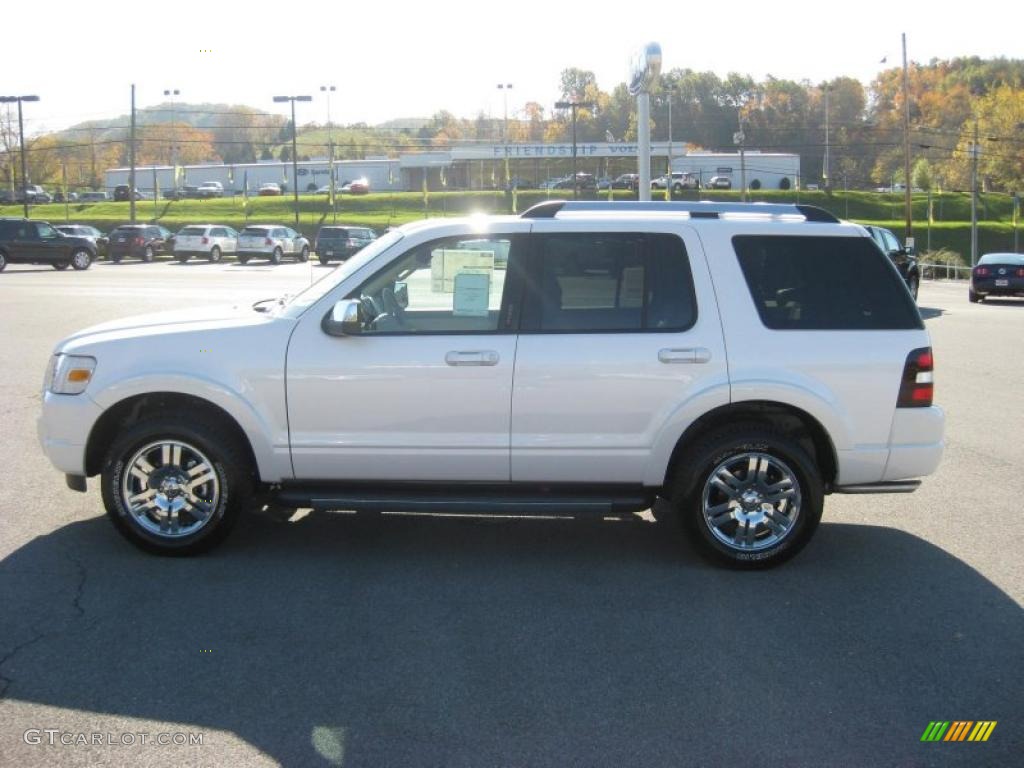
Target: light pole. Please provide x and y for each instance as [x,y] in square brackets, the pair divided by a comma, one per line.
[574,105]
[171,93]
[328,90]
[295,162]
[505,88]
[825,175]
[21,143]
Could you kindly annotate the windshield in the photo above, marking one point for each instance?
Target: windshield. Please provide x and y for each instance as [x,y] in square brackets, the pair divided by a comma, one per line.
[302,301]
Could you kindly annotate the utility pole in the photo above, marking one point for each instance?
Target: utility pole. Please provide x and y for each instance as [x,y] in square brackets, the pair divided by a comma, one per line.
[328,90]
[740,138]
[909,233]
[826,174]
[24,177]
[574,105]
[505,88]
[974,195]
[131,164]
[295,162]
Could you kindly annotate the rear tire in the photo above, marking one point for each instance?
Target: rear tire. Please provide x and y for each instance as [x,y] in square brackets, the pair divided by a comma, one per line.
[275,257]
[748,496]
[81,260]
[215,254]
[148,255]
[243,259]
[182,258]
[325,260]
[915,285]
[972,296]
[3,261]
[304,253]
[172,518]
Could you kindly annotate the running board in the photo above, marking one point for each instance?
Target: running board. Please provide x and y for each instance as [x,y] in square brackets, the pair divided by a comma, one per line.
[471,501]
[889,486]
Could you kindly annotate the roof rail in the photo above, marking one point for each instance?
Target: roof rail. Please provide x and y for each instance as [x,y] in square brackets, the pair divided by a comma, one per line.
[696,209]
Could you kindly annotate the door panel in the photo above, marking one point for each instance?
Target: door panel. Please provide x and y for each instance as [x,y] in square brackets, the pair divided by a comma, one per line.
[424,393]
[589,406]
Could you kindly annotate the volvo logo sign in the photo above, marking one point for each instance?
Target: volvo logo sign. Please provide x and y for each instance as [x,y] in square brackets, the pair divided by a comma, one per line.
[644,68]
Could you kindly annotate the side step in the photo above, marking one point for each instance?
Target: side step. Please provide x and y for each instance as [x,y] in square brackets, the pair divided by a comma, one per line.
[888,486]
[473,499]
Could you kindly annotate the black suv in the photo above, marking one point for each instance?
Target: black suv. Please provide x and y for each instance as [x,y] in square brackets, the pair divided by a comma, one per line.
[26,241]
[902,257]
[340,242]
[140,241]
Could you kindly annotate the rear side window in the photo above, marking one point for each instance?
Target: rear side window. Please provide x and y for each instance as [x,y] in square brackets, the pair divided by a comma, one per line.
[607,282]
[254,232]
[824,284]
[192,232]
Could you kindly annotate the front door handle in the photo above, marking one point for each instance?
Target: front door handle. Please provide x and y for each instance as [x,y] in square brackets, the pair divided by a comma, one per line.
[472,357]
[685,355]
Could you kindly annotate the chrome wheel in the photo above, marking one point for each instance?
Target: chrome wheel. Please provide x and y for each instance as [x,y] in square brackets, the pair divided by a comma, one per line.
[751,501]
[81,260]
[170,489]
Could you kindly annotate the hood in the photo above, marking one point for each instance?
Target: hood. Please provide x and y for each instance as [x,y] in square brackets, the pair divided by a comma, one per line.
[170,322]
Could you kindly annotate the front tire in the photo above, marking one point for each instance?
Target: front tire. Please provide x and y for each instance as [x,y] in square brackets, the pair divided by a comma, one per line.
[81,260]
[915,285]
[3,261]
[172,485]
[749,496]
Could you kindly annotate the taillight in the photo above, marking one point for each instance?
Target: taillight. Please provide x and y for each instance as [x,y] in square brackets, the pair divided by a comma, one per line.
[268,241]
[139,241]
[206,240]
[917,384]
[981,271]
[1020,272]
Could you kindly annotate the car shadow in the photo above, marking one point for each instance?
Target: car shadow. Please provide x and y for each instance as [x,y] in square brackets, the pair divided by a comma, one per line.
[1007,302]
[391,640]
[930,313]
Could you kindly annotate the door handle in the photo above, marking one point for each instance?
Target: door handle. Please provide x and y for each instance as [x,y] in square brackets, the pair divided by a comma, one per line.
[473,357]
[685,355]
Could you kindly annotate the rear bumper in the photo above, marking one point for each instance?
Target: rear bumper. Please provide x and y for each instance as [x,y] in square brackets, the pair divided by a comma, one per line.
[987,287]
[916,442]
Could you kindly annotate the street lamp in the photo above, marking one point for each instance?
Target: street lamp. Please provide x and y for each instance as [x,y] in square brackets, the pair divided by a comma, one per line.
[170,93]
[295,163]
[328,90]
[574,105]
[21,141]
[505,88]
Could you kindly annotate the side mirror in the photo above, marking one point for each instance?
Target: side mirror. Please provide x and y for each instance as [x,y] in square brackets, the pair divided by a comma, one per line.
[344,319]
[402,295]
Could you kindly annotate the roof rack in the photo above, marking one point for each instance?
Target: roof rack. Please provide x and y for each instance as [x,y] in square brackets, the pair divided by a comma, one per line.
[696,209]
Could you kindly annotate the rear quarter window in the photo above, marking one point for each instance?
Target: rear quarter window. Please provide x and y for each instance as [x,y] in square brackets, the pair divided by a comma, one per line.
[824,284]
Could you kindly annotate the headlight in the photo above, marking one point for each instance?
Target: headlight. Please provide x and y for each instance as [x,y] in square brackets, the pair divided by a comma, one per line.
[69,374]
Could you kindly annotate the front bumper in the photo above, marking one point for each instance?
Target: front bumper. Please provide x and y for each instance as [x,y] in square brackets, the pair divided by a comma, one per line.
[63,427]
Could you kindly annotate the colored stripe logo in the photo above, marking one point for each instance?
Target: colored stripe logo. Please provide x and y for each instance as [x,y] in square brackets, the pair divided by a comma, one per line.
[958,730]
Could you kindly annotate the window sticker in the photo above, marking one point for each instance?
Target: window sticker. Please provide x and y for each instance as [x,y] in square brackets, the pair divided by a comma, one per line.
[472,293]
[446,263]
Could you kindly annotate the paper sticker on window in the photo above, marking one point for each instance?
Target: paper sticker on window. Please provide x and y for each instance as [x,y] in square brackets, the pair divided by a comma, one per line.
[472,291]
[446,263]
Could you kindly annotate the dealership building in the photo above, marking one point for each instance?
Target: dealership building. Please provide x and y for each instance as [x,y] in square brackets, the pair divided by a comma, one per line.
[474,166]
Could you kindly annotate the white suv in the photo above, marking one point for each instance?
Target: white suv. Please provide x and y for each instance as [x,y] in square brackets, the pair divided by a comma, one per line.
[725,365]
[211,241]
[271,242]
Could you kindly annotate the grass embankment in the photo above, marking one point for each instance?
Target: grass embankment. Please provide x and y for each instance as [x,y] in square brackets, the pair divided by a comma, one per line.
[951,211]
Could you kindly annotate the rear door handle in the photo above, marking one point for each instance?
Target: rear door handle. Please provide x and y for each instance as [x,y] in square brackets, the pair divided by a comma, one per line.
[685,355]
[472,357]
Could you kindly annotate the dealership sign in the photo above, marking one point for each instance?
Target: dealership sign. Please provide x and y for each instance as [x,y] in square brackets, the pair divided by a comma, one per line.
[551,151]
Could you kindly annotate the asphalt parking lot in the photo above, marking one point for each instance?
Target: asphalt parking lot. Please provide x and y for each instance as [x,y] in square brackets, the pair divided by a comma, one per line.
[399,640]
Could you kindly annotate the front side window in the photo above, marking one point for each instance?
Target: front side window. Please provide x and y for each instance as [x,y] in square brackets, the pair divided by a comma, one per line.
[824,284]
[453,285]
[46,232]
[608,282]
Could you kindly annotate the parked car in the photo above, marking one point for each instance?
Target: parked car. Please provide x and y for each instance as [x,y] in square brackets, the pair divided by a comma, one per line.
[678,182]
[902,257]
[93,197]
[627,181]
[719,182]
[58,197]
[6,197]
[356,187]
[271,241]
[210,189]
[518,182]
[777,362]
[137,241]
[121,194]
[583,181]
[997,274]
[270,189]
[186,192]
[92,234]
[338,242]
[28,241]
[210,241]
[33,194]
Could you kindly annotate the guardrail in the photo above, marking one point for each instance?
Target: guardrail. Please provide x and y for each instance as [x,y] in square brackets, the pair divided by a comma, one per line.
[943,271]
